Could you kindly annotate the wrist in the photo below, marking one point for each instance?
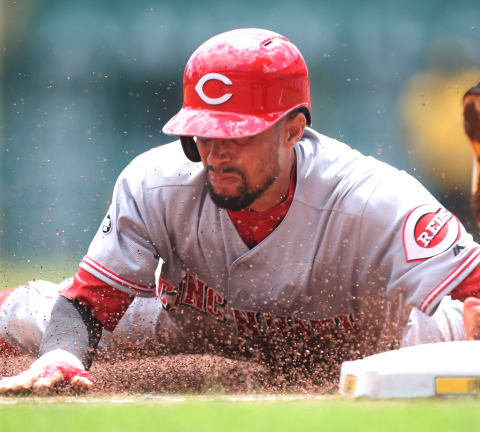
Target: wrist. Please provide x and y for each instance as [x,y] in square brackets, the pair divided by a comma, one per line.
[58,356]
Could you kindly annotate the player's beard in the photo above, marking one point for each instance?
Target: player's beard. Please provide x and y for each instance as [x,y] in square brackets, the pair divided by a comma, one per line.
[246,194]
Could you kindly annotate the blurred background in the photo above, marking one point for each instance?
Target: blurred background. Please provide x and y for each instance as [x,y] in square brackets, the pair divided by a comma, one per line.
[87,86]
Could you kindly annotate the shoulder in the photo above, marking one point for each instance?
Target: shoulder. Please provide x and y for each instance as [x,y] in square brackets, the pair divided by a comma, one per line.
[334,176]
[163,166]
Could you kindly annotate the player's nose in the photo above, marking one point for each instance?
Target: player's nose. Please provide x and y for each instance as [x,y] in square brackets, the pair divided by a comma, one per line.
[220,151]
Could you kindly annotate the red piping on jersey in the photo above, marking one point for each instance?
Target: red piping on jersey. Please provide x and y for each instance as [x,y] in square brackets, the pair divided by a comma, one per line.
[449,279]
[469,287]
[117,278]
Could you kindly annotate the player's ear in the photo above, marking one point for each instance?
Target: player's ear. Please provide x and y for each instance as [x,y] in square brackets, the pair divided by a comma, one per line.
[295,126]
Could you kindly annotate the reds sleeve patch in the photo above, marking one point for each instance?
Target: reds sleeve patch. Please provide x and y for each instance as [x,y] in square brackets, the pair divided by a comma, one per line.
[428,231]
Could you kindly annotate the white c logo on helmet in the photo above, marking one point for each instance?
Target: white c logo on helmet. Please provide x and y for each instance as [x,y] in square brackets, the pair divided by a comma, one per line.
[217,77]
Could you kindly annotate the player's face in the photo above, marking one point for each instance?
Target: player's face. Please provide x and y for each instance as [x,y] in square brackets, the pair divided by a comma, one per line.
[240,171]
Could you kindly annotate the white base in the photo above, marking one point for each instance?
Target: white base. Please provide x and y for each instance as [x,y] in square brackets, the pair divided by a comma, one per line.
[439,369]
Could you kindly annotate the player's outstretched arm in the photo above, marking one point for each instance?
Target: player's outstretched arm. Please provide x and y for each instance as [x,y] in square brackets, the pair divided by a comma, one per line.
[67,348]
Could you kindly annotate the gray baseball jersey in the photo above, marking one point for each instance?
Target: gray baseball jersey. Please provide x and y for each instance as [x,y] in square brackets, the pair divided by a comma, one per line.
[26,312]
[360,242]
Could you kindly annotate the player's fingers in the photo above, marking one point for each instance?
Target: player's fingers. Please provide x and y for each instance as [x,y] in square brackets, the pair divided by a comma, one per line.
[46,382]
[80,379]
[50,369]
[471,318]
[82,383]
[43,381]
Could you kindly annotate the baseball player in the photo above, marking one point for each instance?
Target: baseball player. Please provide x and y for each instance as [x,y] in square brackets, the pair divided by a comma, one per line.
[471,122]
[272,235]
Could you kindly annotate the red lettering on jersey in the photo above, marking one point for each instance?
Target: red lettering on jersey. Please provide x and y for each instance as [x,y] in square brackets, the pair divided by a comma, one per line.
[215,305]
[194,293]
[300,326]
[168,294]
[247,323]
[428,231]
[323,326]
[275,324]
[255,324]
[346,323]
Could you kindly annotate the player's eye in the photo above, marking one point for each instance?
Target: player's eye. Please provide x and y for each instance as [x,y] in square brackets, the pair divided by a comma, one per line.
[242,141]
[236,141]
[201,140]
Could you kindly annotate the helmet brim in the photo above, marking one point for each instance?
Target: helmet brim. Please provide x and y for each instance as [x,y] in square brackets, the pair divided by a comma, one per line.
[218,124]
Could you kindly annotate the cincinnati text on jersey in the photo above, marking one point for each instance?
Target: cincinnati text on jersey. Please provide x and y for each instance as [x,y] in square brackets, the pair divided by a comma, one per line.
[249,324]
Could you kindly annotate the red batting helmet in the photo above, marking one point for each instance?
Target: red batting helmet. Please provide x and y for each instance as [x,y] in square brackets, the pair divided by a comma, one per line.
[238,84]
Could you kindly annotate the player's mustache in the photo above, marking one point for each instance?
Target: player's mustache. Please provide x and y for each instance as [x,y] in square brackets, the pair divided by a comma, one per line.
[226,170]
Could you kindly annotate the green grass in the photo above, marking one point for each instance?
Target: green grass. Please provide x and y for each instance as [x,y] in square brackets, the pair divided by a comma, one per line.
[331,414]
[17,272]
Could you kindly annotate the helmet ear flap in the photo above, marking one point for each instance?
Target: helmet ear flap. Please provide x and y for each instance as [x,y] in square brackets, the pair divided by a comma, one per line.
[190,148]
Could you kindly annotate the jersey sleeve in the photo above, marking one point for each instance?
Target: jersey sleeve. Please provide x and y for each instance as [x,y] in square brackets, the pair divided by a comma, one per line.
[470,287]
[107,304]
[412,245]
[122,253]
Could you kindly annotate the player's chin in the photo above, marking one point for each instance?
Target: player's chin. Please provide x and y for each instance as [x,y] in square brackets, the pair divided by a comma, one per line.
[229,202]
[225,192]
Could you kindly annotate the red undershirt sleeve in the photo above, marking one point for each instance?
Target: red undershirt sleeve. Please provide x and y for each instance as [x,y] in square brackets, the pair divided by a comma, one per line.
[107,304]
[470,287]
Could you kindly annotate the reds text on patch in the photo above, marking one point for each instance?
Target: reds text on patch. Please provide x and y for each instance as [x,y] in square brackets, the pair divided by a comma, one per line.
[428,231]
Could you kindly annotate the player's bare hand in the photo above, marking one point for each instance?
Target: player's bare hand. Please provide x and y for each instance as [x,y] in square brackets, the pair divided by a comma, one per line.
[471,318]
[45,373]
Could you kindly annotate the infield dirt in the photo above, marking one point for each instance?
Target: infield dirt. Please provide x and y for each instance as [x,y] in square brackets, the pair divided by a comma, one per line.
[193,373]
